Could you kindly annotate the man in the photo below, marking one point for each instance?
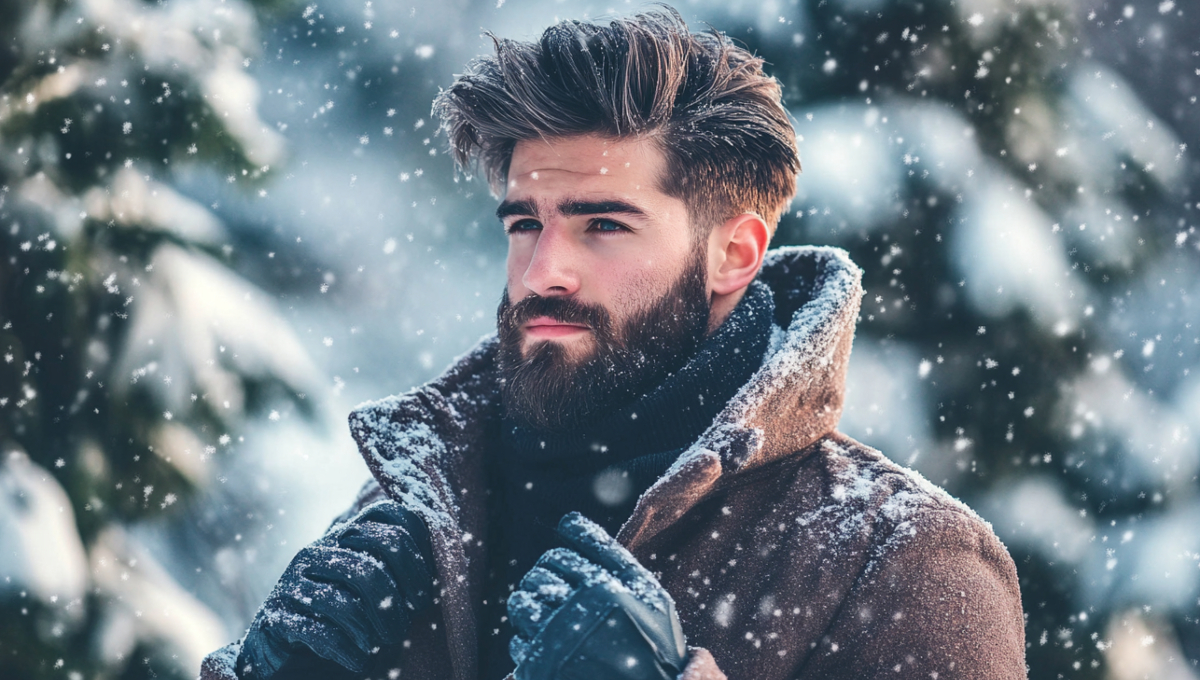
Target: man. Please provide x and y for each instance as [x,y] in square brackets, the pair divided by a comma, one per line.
[657,376]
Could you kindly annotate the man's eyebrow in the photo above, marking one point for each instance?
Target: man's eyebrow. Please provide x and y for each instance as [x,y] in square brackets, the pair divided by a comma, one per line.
[521,207]
[575,208]
[570,208]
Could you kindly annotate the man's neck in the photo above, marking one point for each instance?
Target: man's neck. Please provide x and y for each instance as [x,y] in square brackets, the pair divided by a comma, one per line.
[721,306]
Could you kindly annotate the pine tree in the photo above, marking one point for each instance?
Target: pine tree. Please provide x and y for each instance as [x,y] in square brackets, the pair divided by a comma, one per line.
[130,354]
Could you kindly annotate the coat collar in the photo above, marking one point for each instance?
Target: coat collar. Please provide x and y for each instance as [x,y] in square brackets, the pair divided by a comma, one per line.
[793,400]
[425,447]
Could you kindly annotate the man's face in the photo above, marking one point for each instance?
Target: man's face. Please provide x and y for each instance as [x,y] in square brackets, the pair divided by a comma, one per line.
[607,280]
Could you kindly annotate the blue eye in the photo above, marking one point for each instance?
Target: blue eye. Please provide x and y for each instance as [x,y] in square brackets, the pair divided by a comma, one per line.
[523,226]
[607,226]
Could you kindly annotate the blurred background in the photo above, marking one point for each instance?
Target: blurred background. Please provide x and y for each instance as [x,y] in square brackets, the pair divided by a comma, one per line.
[223,223]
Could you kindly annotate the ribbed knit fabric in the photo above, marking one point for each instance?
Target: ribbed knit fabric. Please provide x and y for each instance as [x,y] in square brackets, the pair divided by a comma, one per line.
[601,469]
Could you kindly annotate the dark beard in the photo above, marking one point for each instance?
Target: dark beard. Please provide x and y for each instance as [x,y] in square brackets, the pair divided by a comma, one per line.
[550,390]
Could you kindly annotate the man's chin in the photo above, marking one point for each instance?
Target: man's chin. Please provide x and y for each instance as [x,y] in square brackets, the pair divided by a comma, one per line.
[572,351]
[546,387]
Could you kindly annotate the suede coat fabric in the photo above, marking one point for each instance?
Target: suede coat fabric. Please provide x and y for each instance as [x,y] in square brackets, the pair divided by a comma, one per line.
[791,551]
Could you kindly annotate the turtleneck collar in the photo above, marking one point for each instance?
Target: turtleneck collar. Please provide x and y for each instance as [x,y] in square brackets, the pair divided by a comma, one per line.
[672,415]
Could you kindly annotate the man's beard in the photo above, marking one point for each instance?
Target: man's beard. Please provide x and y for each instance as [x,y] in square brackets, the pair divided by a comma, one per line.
[551,390]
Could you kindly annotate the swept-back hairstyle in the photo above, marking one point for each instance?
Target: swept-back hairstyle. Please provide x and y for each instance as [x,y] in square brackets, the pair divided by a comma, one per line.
[717,118]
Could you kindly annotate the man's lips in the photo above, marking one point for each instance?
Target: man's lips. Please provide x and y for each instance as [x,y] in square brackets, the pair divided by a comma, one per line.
[544,327]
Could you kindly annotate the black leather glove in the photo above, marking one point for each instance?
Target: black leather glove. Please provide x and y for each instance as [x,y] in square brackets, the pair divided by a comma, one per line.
[593,613]
[342,598]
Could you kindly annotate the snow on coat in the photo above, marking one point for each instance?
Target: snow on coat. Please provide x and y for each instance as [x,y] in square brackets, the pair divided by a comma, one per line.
[791,550]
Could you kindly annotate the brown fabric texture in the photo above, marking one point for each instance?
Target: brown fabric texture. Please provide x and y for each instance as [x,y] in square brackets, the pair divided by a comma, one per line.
[792,551]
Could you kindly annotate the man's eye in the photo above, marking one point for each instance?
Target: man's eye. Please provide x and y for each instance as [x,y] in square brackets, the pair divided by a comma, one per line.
[523,226]
[607,226]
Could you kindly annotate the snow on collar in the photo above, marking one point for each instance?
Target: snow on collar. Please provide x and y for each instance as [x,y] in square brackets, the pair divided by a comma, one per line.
[796,397]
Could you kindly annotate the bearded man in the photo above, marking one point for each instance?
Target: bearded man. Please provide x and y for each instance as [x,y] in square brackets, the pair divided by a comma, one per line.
[659,377]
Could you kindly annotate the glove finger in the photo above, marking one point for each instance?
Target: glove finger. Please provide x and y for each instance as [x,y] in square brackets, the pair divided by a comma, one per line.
[518,649]
[546,586]
[262,654]
[290,623]
[572,568]
[399,551]
[592,542]
[304,665]
[527,613]
[333,606]
[368,580]
[391,512]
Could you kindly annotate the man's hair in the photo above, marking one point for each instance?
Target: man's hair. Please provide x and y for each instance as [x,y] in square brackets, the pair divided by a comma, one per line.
[717,118]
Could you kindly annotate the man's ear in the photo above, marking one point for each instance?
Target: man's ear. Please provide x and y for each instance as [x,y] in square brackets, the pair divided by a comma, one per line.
[735,253]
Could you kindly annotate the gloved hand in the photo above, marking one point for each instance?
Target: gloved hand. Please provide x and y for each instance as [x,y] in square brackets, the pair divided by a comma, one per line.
[594,613]
[343,597]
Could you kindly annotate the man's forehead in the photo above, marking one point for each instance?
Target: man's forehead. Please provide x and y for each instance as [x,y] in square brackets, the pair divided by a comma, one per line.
[583,157]
[579,175]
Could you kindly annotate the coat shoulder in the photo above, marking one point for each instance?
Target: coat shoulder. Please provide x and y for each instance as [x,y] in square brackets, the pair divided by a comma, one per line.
[865,555]
[933,582]
[896,505]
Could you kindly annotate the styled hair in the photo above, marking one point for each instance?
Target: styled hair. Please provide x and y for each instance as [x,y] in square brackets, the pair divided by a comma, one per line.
[717,118]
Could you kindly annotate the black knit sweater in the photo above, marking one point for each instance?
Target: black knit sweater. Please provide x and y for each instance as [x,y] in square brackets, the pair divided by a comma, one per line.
[601,469]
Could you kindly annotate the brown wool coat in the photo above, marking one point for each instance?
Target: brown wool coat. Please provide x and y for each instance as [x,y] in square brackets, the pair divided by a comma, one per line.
[791,550]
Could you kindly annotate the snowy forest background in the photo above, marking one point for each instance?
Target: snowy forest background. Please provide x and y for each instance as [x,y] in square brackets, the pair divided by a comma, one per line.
[223,223]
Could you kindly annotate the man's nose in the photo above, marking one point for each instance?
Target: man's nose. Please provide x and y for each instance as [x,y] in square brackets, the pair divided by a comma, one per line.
[552,269]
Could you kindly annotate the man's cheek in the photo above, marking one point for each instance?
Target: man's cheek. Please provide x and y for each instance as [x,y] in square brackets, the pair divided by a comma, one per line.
[630,300]
[634,287]
[514,289]
[517,262]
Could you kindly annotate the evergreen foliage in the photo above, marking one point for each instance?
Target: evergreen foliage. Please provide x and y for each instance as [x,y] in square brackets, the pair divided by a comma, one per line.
[131,355]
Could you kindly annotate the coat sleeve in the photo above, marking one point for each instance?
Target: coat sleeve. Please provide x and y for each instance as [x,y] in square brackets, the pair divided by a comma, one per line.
[940,598]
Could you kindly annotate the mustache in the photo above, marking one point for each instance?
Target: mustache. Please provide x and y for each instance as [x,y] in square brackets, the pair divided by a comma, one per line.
[512,316]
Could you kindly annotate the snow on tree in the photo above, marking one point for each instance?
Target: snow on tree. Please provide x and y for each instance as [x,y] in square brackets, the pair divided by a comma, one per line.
[131,355]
